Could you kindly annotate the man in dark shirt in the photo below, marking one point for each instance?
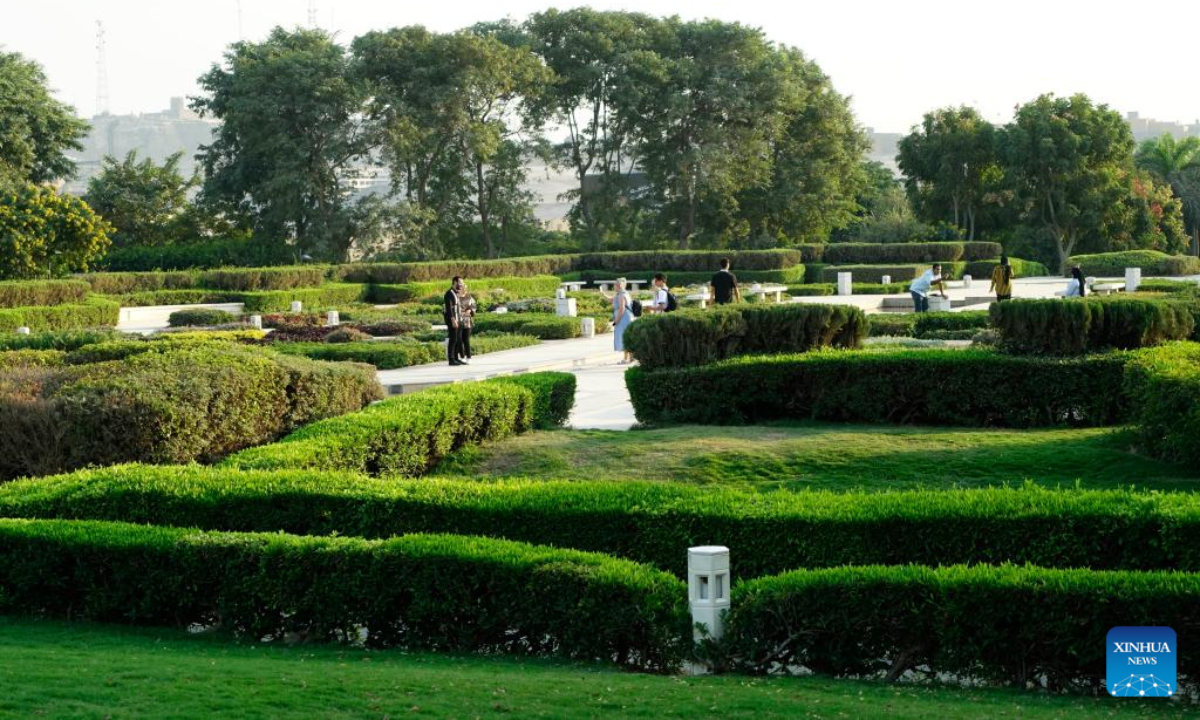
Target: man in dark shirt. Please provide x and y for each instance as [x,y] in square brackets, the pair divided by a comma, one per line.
[452,316]
[723,287]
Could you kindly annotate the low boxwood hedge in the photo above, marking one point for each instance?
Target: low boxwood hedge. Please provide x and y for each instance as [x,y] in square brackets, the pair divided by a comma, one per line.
[30,358]
[442,592]
[512,287]
[696,337]
[928,324]
[1152,262]
[25,293]
[264,278]
[58,340]
[928,387]
[327,296]
[120,283]
[901,253]
[651,522]
[680,278]
[981,270]
[93,312]
[821,289]
[897,272]
[1014,625]
[409,434]
[1163,385]
[200,316]
[539,325]
[393,354]
[147,298]
[200,253]
[1077,325]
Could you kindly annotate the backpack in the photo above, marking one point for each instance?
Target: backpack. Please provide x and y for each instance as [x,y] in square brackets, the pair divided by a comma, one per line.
[635,307]
[672,302]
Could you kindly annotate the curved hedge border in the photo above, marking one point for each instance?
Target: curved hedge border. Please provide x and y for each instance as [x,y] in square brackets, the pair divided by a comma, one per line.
[25,293]
[513,287]
[697,337]
[1077,325]
[392,354]
[1015,625]
[1152,262]
[409,434]
[441,592]
[264,278]
[94,312]
[650,522]
[933,387]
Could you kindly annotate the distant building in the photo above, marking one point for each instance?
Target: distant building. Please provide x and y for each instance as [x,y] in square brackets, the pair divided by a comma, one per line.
[1147,128]
[884,148]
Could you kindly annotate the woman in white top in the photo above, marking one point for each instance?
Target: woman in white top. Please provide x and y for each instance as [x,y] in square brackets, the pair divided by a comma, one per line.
[1077,287]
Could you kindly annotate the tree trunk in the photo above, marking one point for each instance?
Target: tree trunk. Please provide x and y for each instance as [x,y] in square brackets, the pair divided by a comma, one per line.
[1196,241]
[484,221]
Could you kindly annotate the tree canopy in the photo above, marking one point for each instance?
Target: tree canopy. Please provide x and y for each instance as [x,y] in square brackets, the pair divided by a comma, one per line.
[36,131]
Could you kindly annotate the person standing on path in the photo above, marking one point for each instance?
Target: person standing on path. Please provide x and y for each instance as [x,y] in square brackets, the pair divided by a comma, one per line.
[1002,277]
[664,301]
[724,286]
[452,314]
[466,321]
[622,305]
[921,287]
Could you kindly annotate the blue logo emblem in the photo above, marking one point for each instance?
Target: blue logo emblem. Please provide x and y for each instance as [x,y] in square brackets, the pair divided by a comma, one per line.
[1141,661]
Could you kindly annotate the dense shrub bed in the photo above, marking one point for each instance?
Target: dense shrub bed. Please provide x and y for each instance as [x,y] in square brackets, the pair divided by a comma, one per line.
[30,358]
[120,283]
[651,522]
[93,312]
[434,591]
[898,273]
[698,337]
[1015,625]
[508,287]
[1163,385]
[1079,325]
[60,340]
[409,434]
[326,296]
[264,278]
[1152,262]
[206,254]
[200,316]
[931,387]
[169,402]
[24,293]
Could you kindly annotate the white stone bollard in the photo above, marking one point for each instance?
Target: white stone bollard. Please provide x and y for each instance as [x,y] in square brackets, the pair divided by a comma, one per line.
[332,318]
[297,306]
[845,283]
[23,330]
[587,327]
[967,281]
[886,280]
[708,588]
[565,307]
[256,322]
[1133,279]
[561,294]
[937,303]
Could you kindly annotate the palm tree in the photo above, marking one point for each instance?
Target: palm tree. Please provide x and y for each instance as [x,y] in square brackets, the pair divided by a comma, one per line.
[1177,163]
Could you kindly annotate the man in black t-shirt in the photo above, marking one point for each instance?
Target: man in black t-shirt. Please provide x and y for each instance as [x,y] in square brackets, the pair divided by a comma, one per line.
[723,287]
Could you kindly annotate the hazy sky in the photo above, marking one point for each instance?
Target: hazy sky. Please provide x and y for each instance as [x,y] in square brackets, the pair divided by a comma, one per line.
[897,58]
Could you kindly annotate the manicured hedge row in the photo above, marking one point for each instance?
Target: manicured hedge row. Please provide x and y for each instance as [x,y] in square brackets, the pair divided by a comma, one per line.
[553,396]
[1152,262]
[927,324]
[405,435]
[93,312]
[1014,625]
[1163,384]
[264,278]
[513,287]
[651,522]
[175,403]
[901,253]
[539,325]
[389,355]
[120,283]
[441,592]
[326,296]
[146,298]
[30,358]
[61,340]
[207,254]
[24,293]
[200,316]
[929,387]
[898,273]
[1159,285]
[698,337]
[1076,325]
[679,278]
[982,269]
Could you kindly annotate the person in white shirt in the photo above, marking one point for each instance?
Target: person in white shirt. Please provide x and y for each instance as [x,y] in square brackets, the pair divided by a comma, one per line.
[662,296]
[1077,287]
[922,285]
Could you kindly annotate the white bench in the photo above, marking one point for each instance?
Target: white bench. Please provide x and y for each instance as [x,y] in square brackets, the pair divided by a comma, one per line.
[573,286]
[701,297]
[1107,288]
[762,291]
[607,285]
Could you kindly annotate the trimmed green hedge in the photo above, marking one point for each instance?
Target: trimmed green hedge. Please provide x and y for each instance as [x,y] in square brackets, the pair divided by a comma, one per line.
[392,354]
[926,387]
[1077,325]
[1152,262]
[898,273]
[120,283]
[264,278]
[928,324]
[173,403]
[539,325]
[650,522]
[902,253]
[553,396]
[405,435]
[30,358]
[326,296]
[821,289]
[1015,625]
[696,337]
[512,287]
[681,278]
[200,316]
[441,592]
[60,340]
[209,253]
[1159,285]
[146,298]
[981,270]
[25,293]
[1163,385]
[93,312]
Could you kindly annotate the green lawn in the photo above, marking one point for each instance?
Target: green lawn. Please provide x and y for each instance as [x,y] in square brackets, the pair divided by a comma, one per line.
[64,670]
[837,457]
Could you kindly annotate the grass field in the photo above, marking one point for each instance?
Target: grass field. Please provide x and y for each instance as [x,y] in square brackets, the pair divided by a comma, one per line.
[64,670]
[835,457]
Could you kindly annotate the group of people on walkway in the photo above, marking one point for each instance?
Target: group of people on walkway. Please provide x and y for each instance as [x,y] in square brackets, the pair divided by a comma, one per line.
[458,311]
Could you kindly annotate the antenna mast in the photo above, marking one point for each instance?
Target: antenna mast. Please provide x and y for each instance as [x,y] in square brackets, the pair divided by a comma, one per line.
[101,71]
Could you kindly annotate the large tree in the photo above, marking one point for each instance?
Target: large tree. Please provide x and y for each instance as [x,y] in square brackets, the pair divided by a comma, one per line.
[1176,163]
[1068,163]
[289,138]
[45,234]
[36,131]
[143,200]
[948,163]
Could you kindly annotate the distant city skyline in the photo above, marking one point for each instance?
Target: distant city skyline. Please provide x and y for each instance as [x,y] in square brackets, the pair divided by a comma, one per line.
[897,59]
